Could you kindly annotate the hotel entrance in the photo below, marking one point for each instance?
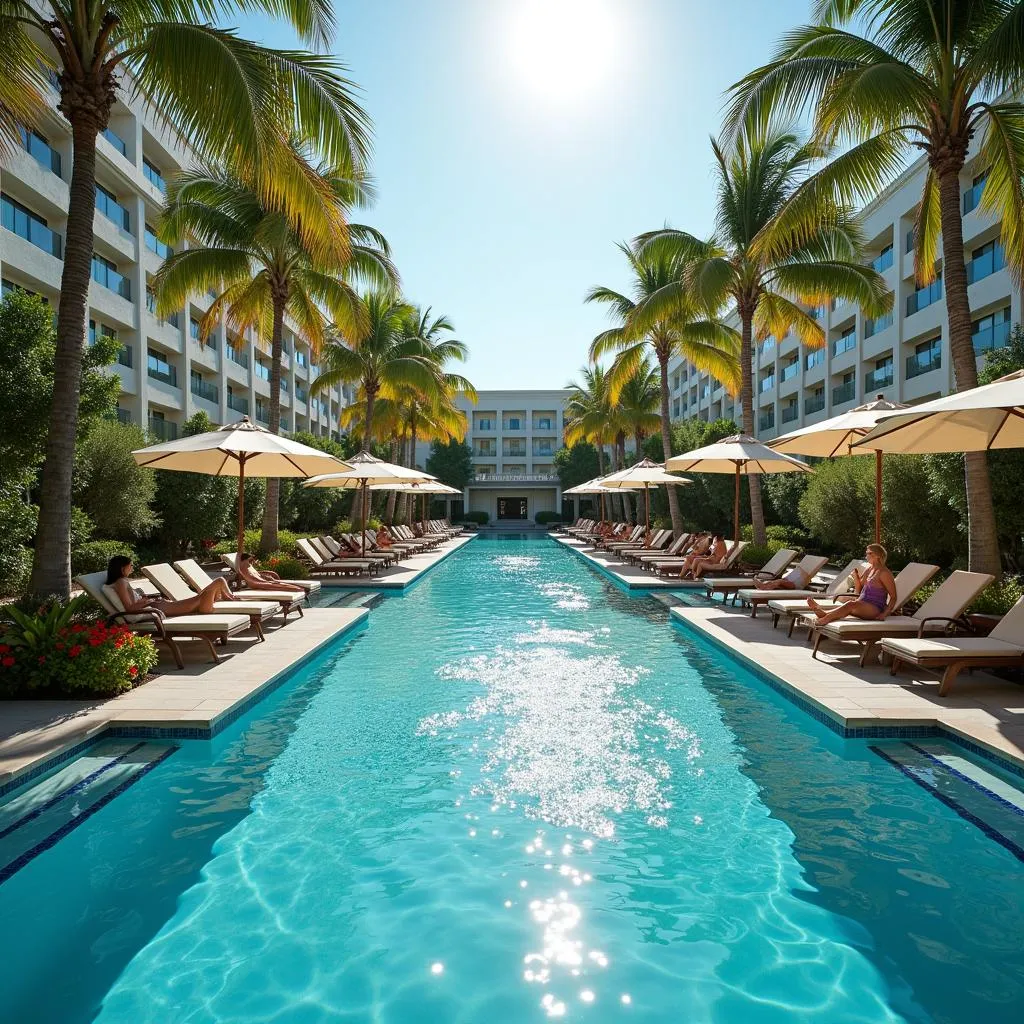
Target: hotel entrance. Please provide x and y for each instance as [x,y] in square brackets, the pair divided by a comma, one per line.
[512,508]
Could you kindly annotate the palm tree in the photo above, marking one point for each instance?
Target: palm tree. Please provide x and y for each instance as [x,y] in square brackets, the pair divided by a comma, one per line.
[638,407]
[773,250]
[588,412]
[229,97]
[690,333]
[21,81]
[264,267]
[922,75]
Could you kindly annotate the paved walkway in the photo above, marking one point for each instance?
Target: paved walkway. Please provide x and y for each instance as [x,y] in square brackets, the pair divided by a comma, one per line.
[401,576]
[203,696]
[982,708]
[630,576]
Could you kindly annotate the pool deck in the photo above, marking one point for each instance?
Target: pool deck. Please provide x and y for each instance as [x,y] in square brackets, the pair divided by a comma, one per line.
[203,697]
[982,709]
[629,576]
[399,577]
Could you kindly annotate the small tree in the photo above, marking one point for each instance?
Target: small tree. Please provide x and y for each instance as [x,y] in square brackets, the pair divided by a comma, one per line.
[576,464]
[110,486]
[451,463]
[193,507]
[314,509]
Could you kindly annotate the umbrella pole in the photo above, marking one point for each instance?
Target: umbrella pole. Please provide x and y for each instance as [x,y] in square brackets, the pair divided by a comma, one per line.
[878,496]
[362,509]
[647,507]
[736,506]
[241,505]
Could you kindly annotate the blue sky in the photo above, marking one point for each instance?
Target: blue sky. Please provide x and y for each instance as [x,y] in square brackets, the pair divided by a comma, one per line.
[518,140]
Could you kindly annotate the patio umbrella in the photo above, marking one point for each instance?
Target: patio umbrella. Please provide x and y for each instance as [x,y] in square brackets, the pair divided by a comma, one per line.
[981,419]
[364,470]
[238,449]
[645,473]
[836,436]
[594,487]
[741,455]
[424,487]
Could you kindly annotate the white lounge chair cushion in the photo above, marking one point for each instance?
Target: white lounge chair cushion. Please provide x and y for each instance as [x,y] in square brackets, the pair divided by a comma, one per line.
[270,595]
[952,647]
[893,624]
[201,623]
[726,581]
[766,595]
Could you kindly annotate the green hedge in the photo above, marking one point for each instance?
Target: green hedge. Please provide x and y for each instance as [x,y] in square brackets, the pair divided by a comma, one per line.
[286,541]
[94,555]
[481,518]
[543,518]
[285,566]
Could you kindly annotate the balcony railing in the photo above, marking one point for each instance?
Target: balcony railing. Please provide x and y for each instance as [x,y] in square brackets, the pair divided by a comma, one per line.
[923,362]
[116,141]
[982,266]
[989,338]
[790,413]
[124,356]
[40,150]
[164,430]
[766,383]
[880,377]
[875,325]
[509,478]
[106,276]
[815,358]
[844,344]
[123,416]
[205,390]
[845,392]
[239,358]
[814,404]
[883,261]
[766,421]
[972,197]
[790,370]
[165,374]
[238,404]
[924,297]
[17,219]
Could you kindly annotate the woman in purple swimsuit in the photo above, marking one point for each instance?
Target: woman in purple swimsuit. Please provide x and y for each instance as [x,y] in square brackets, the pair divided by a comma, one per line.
[876,592]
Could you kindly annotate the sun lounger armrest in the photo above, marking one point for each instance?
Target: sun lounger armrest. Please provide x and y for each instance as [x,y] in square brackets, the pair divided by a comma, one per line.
[940,618]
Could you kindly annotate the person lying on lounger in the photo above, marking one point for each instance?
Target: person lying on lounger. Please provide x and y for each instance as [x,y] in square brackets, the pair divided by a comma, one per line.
[714,559]
[261,579]
[697,548]
[135,599]
[795,579]
[383,539]
[875,589]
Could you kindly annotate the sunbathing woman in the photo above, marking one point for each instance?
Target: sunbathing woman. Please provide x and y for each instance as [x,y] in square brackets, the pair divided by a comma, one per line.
[795,579]
[876,592]
[698,549]
[714,559]
[135,599]
[262,579]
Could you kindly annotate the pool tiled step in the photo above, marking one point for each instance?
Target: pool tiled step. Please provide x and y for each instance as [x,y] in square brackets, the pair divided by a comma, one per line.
[978,795]
[35,819]
[349,599]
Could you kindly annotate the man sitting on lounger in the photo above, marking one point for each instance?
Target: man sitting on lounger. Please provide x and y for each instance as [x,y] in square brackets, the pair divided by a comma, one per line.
[383,538]
[875,589]
[795,579]
[262,579]
[135,599]
[713,554]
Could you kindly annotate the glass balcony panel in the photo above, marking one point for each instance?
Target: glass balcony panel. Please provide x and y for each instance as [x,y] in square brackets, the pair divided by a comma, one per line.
[790,413]
[814,404]
[883,261]
[116,141]
[163,430]
[879,378]
[204,389]
[988,263]
[845,392]
[923,362]
[766,383]
[40,150]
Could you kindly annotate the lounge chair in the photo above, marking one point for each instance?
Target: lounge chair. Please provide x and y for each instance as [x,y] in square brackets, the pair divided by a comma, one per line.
[231,561]
[321,566]
[940,612]
[198,578]
[809,565]
[347,548]
[728,586]
[164,629]
[174,588]
[671,568]
[637,556]
[795,604]
[1002,648]
[621,548]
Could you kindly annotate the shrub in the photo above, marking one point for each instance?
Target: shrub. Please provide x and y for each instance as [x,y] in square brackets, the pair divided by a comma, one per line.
[784,536]
[17,527]
[543,518]
[285,538]
[47,653]
[480,518]
[93,555]
[999,597]
[285,566]
[347,526]
[757,554]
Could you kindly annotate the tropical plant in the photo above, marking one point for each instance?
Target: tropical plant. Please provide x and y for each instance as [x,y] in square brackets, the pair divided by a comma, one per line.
[685,331]
[451,462]
[264,266]
[773,254]
[588,415]
[886,78]
[229,97]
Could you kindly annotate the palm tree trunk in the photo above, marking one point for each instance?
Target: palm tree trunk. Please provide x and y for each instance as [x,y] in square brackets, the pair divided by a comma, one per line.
[620,447]
[638,440]
[666,444]
[272,507]
[51,563]
[389,511]
[982,531]
[747,403]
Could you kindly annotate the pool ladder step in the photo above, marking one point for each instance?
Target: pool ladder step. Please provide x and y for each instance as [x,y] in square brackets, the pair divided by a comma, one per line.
[35,819]
[978,795]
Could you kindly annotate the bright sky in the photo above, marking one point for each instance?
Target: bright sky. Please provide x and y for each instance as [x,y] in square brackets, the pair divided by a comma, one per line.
[518,140]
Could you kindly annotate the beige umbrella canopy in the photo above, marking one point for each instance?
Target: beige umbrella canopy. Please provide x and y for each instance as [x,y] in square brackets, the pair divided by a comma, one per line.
[594,487]
[238,449]
[423,487]
[644,473]
[981,419]
[364,471]
[836,436]
[740,455]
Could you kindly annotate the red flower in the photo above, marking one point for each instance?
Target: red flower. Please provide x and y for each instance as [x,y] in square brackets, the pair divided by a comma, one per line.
[4,648]
[60,647]
[75,651]
[7,662]
[42,659]
[95,641]
[77,628]
[119,642]
[133,671]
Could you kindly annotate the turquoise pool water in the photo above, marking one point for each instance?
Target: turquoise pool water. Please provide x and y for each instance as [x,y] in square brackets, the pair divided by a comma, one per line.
[519,795]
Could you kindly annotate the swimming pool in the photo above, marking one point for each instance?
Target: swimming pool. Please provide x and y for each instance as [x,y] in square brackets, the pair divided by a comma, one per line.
[519,795]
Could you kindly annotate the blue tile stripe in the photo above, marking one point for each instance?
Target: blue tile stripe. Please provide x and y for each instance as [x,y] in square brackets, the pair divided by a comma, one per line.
[953,805]
[973,783]
[44,767]
[70,791]
[69,826]
[872,732]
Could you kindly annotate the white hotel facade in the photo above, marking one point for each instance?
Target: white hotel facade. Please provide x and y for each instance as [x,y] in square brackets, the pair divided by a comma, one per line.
[904,356]
[166,373]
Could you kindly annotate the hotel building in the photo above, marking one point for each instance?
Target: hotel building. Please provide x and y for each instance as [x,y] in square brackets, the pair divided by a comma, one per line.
[166,372]
[903,355]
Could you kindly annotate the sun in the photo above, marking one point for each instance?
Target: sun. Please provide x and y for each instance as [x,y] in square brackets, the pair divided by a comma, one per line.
[562,51]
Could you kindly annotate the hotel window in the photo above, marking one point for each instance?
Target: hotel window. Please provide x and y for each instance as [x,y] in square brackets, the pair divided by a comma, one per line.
[847,391]
[300,358]
[875,325]
[485,423]
[881,376]
[153,175]
[992,331]
[153,244]
[107,204]
[815,402]
[815,358]
[985,260]
[925,296]
[202,388]
[883,261]
[845,342]
[28,225]
[514,423]
[104,332]
[40,150]
[158,368]
[544,423]
[791,369]
[104,272]
[193,329]
[116,141]
[927,357]
[973,195]
[262,370]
